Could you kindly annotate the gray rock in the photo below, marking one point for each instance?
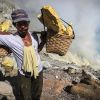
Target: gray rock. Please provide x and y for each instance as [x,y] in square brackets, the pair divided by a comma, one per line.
[87,91]
[6,90]
[46,64]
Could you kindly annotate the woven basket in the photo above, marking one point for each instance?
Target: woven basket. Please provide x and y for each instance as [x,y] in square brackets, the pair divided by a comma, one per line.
[58,37]
[58,43]
[4,51]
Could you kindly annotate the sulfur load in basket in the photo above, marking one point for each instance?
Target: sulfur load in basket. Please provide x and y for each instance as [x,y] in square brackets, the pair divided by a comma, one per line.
[59,36]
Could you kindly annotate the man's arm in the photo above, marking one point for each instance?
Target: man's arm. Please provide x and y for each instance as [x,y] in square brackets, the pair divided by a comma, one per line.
[3,37]
[3,43]
[43,38]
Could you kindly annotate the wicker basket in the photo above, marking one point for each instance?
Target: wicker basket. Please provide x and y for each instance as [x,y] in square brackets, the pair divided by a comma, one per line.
[59,36]
[58,43]
[4,51]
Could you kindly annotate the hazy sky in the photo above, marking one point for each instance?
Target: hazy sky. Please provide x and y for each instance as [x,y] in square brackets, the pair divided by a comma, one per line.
[83,14]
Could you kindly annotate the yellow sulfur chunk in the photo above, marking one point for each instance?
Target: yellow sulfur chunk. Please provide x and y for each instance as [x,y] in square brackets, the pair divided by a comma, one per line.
[51,19]
[7,62]
[5,25]
[69,30]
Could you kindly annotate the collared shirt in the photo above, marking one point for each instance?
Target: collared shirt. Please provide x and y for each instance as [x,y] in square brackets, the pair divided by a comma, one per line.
[15,43]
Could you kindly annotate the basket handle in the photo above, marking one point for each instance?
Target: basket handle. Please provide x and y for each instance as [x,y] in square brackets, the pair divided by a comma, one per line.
[70,26]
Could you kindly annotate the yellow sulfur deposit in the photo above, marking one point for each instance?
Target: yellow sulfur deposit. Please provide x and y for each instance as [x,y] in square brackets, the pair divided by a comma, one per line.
[69,30]
[7,62]
[51,19]
[5,25]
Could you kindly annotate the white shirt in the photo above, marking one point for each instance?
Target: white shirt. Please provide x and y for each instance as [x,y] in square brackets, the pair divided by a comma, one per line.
[15,43]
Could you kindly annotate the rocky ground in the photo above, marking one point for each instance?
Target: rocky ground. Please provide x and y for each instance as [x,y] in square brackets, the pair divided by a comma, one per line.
[55,83]
[60,76]
[62,81]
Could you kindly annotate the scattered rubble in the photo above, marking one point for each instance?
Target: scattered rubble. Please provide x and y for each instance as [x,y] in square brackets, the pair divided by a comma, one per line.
[65,81]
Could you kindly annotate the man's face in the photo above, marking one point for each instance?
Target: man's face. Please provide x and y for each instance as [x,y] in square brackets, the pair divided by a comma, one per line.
[22,28]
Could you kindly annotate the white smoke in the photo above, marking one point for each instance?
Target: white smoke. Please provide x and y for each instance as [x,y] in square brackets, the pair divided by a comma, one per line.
[83,14]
